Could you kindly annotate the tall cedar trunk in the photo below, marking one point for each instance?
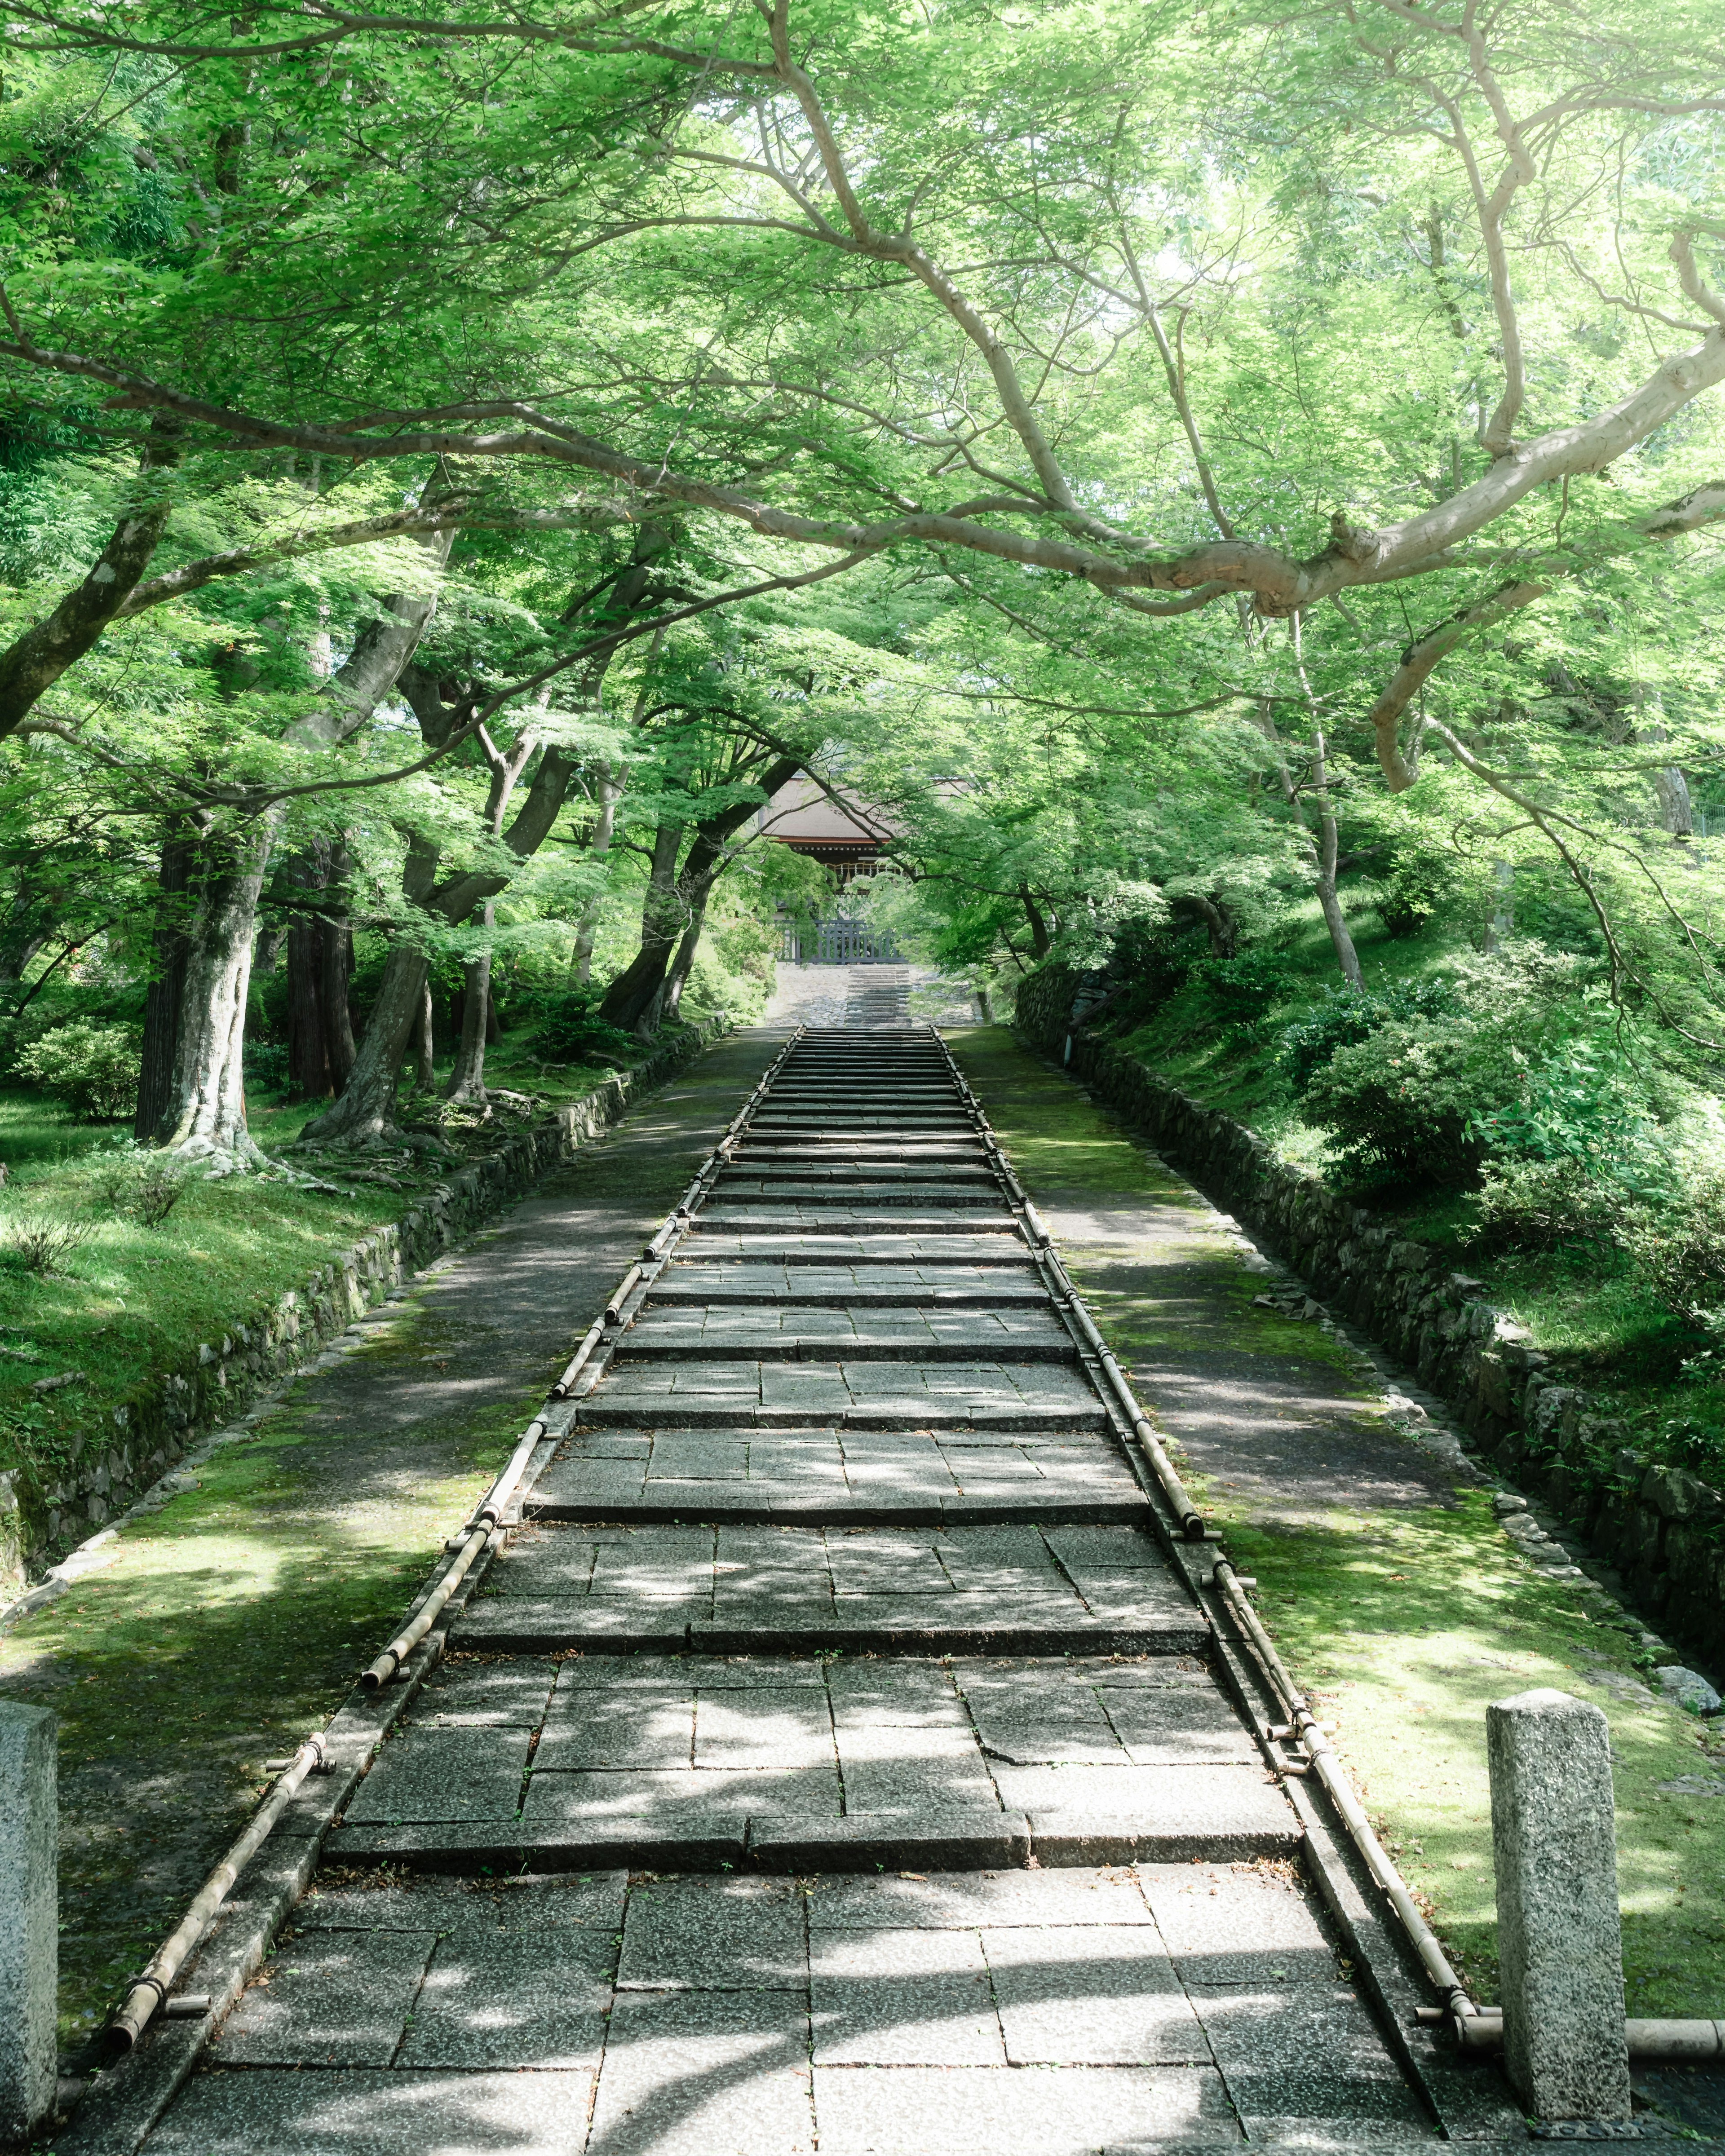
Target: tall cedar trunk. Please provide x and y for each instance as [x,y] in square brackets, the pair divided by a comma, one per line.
[338,953]
[168,982]
[425,1058]
[309,1075]
[1040,937]
[207,1106]
[611,780]
[467,1081]
[308,1053]
[678,979]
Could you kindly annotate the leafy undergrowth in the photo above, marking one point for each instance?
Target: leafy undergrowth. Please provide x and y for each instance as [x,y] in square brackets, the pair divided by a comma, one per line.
[229,1627]
[1584,1303]
[123,1301]
[1405,1623]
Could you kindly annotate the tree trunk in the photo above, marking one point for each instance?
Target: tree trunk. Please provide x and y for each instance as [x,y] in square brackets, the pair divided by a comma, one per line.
[633,999]
[678,979]
[309,1077]
[336,950]
[1040,937]
[1334,920]
[612,780]
[467,1081]
[424,1059]
[367,1107]
[205,1117]
[1502,923]
[167,980]
[1324,846]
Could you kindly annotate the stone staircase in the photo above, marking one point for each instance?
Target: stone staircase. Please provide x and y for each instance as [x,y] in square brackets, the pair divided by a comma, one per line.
[836,1756]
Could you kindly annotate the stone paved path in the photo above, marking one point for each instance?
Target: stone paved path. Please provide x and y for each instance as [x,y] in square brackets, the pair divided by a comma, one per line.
[834,1758]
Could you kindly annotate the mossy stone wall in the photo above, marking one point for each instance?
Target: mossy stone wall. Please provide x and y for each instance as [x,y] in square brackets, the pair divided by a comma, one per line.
[1664,1529]
[147,1433]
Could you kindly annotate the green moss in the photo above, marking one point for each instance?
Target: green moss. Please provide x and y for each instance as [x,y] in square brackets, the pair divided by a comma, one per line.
[229,1627]
[1403,1624]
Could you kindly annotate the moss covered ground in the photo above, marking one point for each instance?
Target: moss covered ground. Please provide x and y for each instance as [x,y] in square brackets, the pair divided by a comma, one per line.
[229,1627]
[127,1301]
[1405,1618]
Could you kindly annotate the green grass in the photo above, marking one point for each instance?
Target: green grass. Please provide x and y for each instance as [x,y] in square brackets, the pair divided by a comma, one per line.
[129,1302]
[230,1627]
[1403,1624]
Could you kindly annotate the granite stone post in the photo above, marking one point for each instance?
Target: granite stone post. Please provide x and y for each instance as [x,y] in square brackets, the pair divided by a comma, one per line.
[29,1915]
[1560,1938]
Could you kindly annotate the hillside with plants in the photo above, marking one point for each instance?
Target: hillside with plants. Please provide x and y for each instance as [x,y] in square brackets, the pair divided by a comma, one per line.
[1236,492]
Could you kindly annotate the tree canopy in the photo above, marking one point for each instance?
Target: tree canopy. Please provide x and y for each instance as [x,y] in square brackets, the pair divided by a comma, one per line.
[1181,465]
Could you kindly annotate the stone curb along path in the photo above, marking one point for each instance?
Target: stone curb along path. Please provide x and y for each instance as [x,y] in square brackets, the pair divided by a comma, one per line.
[153,1430]
[840,1746]
[1662,1528]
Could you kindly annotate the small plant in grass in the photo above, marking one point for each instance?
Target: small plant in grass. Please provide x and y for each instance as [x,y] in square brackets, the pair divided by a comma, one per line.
[34,1243]
[144,1184]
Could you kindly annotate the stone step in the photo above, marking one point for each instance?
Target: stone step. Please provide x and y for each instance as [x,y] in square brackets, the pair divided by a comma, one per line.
[952,1172]
[921,1394]
[814,1475]
[813,1335]
[962,1192]
[1117,1761]
[833,1218]
[1001,1248]
[808,1287]
[812,1147]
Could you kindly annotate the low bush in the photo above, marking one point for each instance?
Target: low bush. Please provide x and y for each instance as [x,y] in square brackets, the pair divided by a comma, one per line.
[1583,1102]
[1349,1015]
[1246,988]
[569,1030]
[1402,1104]
[1678,1243]
[1543,1205]
[94,1069]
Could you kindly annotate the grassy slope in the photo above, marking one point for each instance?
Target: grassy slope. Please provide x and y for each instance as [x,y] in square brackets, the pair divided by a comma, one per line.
[1581,1306]
[130,1301]
[229,1627]
[1404,1624]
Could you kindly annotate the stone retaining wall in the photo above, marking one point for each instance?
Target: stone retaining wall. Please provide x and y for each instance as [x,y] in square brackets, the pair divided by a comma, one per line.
[142,1437]
[1664,1529]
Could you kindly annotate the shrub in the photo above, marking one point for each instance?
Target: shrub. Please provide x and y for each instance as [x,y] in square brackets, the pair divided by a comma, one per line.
[41,1245]
[1243,989]
[1408,898]
[1349,1015]
[1678,1243]
[569,1030]
[143,1184]
[1582,1101]
[1404,1102]
[94,1069]
[1543,1205]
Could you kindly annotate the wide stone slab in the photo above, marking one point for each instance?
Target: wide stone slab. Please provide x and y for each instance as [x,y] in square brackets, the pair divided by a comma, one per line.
[855,1476]
[853,1287]
[803,1333]
[1001,1395]
[1004,1589]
